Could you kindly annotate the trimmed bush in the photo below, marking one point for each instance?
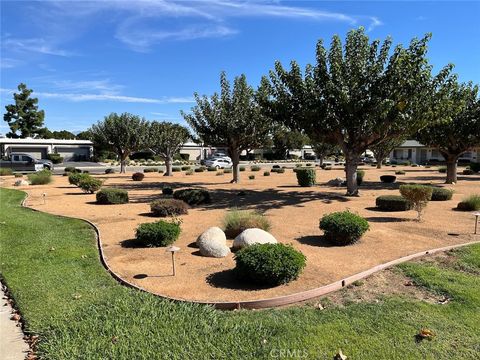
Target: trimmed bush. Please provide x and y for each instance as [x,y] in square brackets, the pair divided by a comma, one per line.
[40,177]
[72,169]
[392,203]
[227,171]
[112,196]
[211,168]
[138,176]
[251,177]
[475,167]
[168,207]
[167,191]
[109,171]
[327,168]
[75,177]
[161,171]
[343,227]
[189,172]
[276,167]
[236,221]
[470,203]
[199,169]
[160,233]
[55,158]
[266,173]
[6,171]
[360,176]
[185,168]
[278,170]
[269,264]
[388,179]
[176,169]
[242,168]
[441,194]
[193,196]
[442,169]
[220,173]
[468,172]
[19,175]
[255,168]
[90,185]
[399,172]
[306,177]
[418,196]
[150,170]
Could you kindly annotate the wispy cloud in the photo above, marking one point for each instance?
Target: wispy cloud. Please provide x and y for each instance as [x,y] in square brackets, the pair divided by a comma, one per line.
[7,63]
[37,45]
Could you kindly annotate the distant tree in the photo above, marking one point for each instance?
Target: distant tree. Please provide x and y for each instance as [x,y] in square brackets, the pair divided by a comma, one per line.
[285,139]
[61,135]
[357,95]
[458,130]
[24,116]
[232,119]
[121,134]
[383,148]
[84,135]
[166,139]
[322,149]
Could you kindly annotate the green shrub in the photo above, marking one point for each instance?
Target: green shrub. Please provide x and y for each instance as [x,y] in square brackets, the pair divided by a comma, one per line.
[414,165]
[227,171]
[278,170]
[360,176]
[211,168]
[40,177]
[167,191]
[236,221]
[255,168]
[160,233]
[388,179]
[19,175]
[269,264]
[75,177]
[418,196]
[138,176]
[441,194]
[306,177]
[327,168]
[343,227]
[112,196]
[90,185]
[470,203]
[399,172]
[220,173]
[392,203]
[168,207]
[6,171]
[266,173]
[442,169]
[251,177]
[193,196]
[109,171]
[475,167]
[55,158]
[242,168]
[468,172]
[189,172]
[176,169]
[276,167]
[199,169]
[161,171]
[185,168]
[72,169]
[150,170]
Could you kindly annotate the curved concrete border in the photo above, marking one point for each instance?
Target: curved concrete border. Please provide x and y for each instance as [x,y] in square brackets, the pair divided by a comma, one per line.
[269,302]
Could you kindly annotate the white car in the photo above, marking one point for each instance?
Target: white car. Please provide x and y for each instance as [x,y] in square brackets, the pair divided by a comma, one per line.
[219,163]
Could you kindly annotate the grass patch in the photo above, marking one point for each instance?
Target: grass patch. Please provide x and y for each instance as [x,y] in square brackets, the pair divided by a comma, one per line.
[51,267]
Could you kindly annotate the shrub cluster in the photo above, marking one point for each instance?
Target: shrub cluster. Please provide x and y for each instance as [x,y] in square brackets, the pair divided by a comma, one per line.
[306,177]
[343,227]
[388,178]
[470,203]
[112,196]
[255,168]
[227,171]
[167,191]
[138,176]
[168,207]
[40,177]
[251,177]
[360,176]
[160,233]
[236,221]
[193,196]
[75,177]
[392,203]
[6,171]
[418,196]
[269,264]
[90,185]
[399,172]
[199,169]
[276,167]
[441,194]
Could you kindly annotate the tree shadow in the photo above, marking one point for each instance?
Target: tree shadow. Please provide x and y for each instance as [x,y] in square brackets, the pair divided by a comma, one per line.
[385,219]
[132,244]
[227,279]
[376,209]
[144,276]
[315,240]
[193,245]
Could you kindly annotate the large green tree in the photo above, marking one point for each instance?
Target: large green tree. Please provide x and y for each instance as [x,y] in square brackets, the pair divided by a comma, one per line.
[23,117]
[122,134]
[232,118]
[382,149]
[357,94]
[458,131]
[166,139]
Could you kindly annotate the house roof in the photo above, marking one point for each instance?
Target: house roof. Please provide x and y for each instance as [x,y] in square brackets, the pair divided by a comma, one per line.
[411,143]
[30,141]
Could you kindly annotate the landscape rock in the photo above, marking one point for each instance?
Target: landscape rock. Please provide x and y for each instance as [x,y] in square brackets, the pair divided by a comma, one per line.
[21,182]
[336,182]
[213,243]
[253,236]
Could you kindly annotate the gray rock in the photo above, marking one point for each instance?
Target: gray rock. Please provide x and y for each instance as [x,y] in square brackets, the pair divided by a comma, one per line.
[336,182]
[213,243]
[253,236]
[21,182]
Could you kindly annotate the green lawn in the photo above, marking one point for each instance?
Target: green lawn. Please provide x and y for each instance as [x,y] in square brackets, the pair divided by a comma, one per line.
[52,268]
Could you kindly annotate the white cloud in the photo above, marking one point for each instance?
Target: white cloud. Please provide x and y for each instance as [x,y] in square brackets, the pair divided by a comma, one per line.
[37,45]
[7,63]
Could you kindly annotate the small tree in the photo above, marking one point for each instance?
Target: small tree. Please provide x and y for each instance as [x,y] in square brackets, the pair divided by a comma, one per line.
[459,128]
[231,118]
[382,149]
[122,134]
[418,196]
[24,116]
[284,139]
[322,149]
[166,139]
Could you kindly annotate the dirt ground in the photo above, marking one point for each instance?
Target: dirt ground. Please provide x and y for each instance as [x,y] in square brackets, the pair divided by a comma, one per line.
[294,213]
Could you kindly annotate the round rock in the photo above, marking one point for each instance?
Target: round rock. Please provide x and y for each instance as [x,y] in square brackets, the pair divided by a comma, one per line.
[253,236]
[21,182]
[213,243]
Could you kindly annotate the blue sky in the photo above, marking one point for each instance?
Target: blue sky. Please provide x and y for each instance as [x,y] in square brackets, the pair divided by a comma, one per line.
[87,59]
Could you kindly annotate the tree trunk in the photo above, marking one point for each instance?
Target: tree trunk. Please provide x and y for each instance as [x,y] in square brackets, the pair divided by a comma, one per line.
[320,160]
[451,169]
[235,154]
[123,163]
[351,173]
[380,156]
[168,166]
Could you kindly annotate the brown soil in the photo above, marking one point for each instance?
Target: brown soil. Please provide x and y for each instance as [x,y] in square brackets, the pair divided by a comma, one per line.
[294,213]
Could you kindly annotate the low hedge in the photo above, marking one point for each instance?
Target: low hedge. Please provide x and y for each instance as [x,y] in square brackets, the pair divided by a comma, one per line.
[167,191]
[242,168]
[6,171]
[211,168]
[470,203]
[176,169]
[227,171]
[306,177]
[90,185]
[441,194]
[160,233]
[112,196]
[138,176]
[185,168]
[442,170]
[392,203]
[266,173]
[150,170]
[40,177]
[399,172]
[388,179]
[343,227]
[255,168]
[168,207]
[72,169]
[199,169]
[269,264]
[360,176]
[192,196]
[278,170]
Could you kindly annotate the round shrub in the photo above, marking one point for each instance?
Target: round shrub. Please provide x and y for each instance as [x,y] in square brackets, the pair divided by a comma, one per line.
[255,168]
[475,166]
[227,171]
[138,176]
[168,207]
[193,196]
[150,170]
[160,233]
[112,196]
[220,173]
[199,169]
[388,178]
[327,168]
[18,175]
[176,169]
[211,168]
[75,177]
[276,167]
[242,168]
[399,172]
[266,173]
[360,176]
[392,203]
[441,194]
[40,177]
[251,177]
[236,221]
[161,171]
[442,170]
[468,172]
[343,227]
[269,264]
[470,203]
[109,171]
[167,191]
[189,172]
[306,177]
[278,170]
[72,169]
[90,185]
[185,168]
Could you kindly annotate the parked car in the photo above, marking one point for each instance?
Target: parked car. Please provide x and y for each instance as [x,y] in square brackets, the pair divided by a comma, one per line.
[214,157]
[219,163]
[25,162]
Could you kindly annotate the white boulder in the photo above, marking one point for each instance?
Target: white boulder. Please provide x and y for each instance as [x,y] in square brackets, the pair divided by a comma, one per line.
[253,236]
[21,182]
[213,243]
